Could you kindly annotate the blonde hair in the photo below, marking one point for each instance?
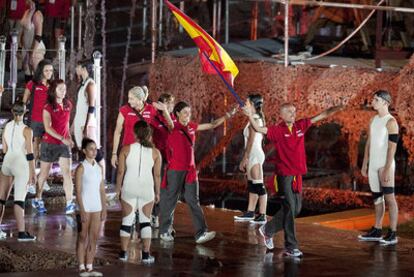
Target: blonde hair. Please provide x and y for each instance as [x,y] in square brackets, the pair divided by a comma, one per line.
[140,93]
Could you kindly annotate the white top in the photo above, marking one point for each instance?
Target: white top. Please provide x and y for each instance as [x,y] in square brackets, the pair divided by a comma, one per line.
[13,135]
[378,141]
[91,185]
[82,106]
[258,138]
[138,176]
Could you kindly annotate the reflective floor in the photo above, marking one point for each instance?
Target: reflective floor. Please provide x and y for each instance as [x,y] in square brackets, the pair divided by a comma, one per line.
[236,251]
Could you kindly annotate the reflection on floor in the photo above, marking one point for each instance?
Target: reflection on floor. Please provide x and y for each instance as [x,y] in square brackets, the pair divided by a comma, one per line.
[236,251]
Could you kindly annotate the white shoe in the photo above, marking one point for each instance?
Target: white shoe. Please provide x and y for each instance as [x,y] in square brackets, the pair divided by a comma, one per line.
[3,235]
[31,189]
[149,260]
[206,236]
[46,186]
[166,237]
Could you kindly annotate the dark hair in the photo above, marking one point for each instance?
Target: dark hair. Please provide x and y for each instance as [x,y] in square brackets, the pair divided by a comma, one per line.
[165,97]
[179,106]
[18,108]
[88,65]
[51,94]
[257,101]
[384,95]
[86,142]
[38,74]
[143,133]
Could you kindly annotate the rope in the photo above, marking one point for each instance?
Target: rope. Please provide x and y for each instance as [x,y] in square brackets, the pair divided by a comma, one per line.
[347,38]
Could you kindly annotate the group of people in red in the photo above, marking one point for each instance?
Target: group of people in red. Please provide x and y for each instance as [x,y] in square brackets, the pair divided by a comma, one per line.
[156,163]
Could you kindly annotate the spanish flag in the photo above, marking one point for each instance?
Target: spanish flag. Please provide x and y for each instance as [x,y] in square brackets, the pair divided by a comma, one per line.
[207,47]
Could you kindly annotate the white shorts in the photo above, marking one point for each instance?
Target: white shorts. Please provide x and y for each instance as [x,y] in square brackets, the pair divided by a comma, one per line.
[374,178]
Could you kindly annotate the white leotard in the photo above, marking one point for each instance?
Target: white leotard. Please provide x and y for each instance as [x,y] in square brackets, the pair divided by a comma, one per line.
[257,155]
[82,106]
[91,184]
[378,148]
[138,178]
[14,162]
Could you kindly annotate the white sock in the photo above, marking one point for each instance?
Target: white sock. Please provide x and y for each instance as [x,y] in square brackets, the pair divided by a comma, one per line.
[89,267]
[81,267]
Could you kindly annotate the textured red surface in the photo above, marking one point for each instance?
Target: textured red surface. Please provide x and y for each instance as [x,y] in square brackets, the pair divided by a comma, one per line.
[312,89]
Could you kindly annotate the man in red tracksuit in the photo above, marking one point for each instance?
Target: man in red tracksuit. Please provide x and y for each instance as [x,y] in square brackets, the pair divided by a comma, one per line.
[288,138]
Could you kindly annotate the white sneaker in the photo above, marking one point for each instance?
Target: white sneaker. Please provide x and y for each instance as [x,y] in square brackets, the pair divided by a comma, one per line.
[31,189]
[206,236]
[3,235]
[166,237]
[46,186]
[149,260]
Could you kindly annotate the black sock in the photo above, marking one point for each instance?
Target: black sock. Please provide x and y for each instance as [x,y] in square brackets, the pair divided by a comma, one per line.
[22,233]
[145,255]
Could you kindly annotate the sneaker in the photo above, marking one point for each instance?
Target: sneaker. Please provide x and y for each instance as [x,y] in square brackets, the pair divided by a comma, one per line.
[31,189]
[268,241]
[148,260]
[3,235]
[35,203]
[39,206]
[46,186]
[259,219]
[247,216]
[155,223]
[123,256]
[94,273]
[167,237]
[70,209]
[206,236]
[390,238]
[295,253]
[372,235]
[25,236]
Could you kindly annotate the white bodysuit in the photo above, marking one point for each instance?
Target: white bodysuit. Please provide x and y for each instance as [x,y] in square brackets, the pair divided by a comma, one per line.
[82,106]
[257,155]
[91,187]
[138,187]
[15,163]
[378,148]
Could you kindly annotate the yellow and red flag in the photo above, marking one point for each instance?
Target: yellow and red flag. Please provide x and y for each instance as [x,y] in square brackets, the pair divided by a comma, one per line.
[208,47]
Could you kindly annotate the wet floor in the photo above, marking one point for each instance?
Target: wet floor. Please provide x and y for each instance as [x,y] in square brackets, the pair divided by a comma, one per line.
[236,251]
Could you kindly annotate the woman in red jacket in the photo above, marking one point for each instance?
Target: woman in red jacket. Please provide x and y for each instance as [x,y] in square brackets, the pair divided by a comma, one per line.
[182,175]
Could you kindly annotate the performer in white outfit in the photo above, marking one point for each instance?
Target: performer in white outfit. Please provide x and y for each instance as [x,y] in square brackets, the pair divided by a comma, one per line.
[18,168]
[86,110]
[85,105]
[252,164]
[91,198]
[379,167]
[140,187]
[33,48]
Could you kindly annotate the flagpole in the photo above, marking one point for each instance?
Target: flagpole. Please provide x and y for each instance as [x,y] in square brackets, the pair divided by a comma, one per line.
[239,100]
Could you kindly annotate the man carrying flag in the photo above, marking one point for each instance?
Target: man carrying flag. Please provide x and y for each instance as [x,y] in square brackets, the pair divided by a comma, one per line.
[288,138]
